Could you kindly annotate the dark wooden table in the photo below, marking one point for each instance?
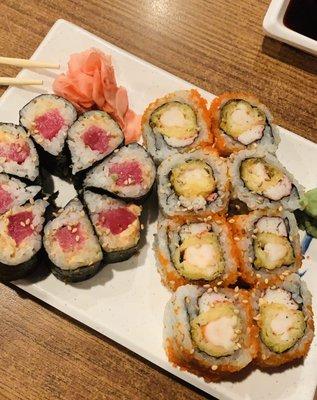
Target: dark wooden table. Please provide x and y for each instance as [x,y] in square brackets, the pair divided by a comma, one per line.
[217,45]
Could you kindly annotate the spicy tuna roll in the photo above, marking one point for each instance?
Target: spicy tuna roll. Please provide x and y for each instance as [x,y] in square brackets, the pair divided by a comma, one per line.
[21,239]
[190,183]
[71,244]
[91,138]
[239,121]
[13,192]
[117,225]
[210,333]
[18,155]
[260,181]
[195,251]
[285,319]
[175,123]
[129,173]
[268,246]
[47,118]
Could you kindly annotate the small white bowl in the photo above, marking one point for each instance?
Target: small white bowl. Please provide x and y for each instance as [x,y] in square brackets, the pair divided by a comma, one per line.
[273,26]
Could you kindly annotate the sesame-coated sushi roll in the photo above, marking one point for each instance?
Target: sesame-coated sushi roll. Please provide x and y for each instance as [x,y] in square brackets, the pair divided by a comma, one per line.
[285,319]
[47,118]
[71,244]
[260,181]
[176,123]
[192,183]
[18,155]
[13,192]
[210,333]
[129,173]
[91,138]
[268,246]
[195,250]
[239,121]
[21,239]
[116,223]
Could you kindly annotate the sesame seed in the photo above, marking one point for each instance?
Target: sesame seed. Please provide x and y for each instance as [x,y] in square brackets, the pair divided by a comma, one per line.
[282,277]
[32,227]
[239,345]
[192,351]
[77,238]
[142,226]
[215,289]
[206,286]
[273,287]
[236,238]
[250,259]
[266,281]
[214,367]
[219,283]
[253,236]
[231,221]
[236,289]
[258,276]
[69,227]
[74,230]
[209,290]
[22,223]
[257,317]
[280,208]
[27,221]
[237,331]
[245,301]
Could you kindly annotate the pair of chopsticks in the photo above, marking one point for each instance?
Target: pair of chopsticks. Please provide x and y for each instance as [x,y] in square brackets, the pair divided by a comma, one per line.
[21,62]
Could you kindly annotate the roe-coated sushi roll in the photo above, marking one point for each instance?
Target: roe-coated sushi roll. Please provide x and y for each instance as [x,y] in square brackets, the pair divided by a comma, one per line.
[239,121]
[21,239]
[210,333]
[129,173]
[196,250]
[14,193]
[18,155]
[176,123]
[260,181]
[191,183]
[71,244]
[285,319]
[91,138]
[116,223]
[268,246]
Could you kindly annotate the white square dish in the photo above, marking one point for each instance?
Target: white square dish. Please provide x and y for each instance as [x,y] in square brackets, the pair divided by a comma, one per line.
[126,301]
[273,26]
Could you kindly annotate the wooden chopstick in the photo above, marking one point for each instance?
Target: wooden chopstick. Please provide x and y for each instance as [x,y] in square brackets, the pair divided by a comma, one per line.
[24,63]
[4,81]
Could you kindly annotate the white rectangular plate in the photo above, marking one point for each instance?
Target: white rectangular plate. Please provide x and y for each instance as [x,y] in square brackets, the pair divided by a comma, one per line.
[126,301]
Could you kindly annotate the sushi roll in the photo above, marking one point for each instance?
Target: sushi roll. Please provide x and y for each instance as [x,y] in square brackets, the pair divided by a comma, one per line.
[129,173]
[196,250]
[47,118]
[21,239]
[285,319]
[210,333]
[71,245]
[176,123]
[260,181]
[239,121]
[14,193]
[18,155]
[91,138]
[268,246]
[191,183]
[116,223]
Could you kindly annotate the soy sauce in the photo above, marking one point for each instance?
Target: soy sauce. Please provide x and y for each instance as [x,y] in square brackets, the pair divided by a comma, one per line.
[301,17]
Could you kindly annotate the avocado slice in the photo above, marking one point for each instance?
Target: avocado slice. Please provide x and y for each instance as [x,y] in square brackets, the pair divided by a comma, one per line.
[239,117]
[199,257]
[192,179]
[280,326]
[215,331]
[272,251]
[259,176]
[174,120]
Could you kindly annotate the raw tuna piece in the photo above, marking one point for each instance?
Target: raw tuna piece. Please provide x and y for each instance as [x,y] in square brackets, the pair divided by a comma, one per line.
[17,152]
[19,226]
[97,139]
[70,237]
[116,220]
[5,200]
[128,173]
[49,124]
